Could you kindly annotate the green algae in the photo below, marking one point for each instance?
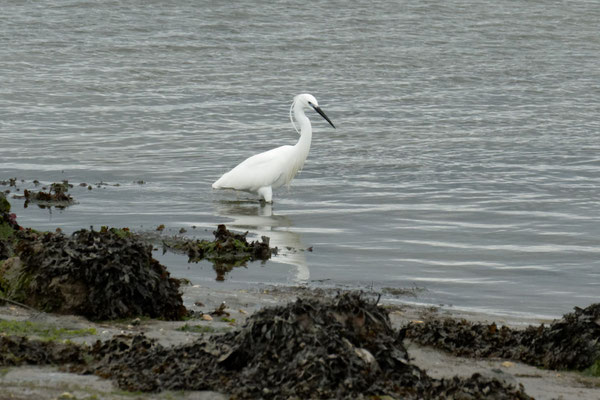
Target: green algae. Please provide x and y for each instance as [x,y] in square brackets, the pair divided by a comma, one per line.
[6,231]
[4,204]
[14,283]
[41,331]
[593,370]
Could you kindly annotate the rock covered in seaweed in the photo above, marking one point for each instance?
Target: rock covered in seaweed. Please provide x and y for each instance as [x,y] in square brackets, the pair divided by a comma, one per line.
[227,251]
[56,196]
[100,275]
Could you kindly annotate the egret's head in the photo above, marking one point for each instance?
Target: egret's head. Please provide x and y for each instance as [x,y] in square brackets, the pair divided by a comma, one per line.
[306,100]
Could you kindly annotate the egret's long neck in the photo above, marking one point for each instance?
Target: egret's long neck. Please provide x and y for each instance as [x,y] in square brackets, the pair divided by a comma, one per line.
[301,148]
[305,132]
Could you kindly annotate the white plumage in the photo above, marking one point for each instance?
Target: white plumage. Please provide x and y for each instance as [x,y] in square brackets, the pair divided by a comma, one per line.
[266,171]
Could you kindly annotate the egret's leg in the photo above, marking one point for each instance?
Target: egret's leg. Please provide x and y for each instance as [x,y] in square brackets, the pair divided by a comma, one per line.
[266,192]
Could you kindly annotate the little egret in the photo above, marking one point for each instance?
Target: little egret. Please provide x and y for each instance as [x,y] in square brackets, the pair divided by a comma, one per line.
[274,168]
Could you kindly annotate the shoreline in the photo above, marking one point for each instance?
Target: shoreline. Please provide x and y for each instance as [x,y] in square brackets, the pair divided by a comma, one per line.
[50,383]
[335,328]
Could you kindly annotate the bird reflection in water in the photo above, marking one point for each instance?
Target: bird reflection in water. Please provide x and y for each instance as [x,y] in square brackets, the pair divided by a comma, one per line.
[258,219]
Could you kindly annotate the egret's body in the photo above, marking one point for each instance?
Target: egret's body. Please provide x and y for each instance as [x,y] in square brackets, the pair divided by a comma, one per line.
[266,171]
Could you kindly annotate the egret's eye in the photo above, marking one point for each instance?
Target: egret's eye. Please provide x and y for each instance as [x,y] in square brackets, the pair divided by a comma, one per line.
[310,103]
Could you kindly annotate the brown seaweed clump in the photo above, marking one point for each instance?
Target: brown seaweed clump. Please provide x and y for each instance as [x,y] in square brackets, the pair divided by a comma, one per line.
[227,251]
[342,347]
[8,228]
[4,204]
[100,275]
[572,342]
[56,196]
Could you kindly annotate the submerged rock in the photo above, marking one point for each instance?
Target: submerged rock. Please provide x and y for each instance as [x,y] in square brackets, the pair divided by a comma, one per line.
[100,275]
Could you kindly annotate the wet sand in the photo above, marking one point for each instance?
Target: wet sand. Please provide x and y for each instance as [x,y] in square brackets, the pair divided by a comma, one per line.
[50,383]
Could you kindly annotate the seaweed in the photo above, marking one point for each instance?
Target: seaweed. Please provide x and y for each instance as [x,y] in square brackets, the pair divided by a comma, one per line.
[19,350]
[341,347]
[227,251]
[56,196]
[474,387]
[572,342]
[100,275]
[4,204]
[8,227]
[11,182]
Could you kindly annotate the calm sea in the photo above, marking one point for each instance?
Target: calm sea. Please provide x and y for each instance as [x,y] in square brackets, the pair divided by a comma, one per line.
[466,162]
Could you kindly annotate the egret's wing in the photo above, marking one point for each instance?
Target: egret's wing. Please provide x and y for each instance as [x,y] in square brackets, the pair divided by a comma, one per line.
[260,170]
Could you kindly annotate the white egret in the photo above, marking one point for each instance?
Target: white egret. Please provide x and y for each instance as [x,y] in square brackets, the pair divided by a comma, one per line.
[266,171]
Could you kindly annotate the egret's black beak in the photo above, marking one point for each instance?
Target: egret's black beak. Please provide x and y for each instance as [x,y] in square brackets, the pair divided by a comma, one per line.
[318,109]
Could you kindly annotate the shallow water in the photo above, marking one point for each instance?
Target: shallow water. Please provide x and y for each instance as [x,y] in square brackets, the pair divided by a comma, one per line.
[466,159]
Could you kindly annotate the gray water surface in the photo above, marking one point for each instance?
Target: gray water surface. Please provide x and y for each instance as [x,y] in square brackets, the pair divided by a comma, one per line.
[466,159]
